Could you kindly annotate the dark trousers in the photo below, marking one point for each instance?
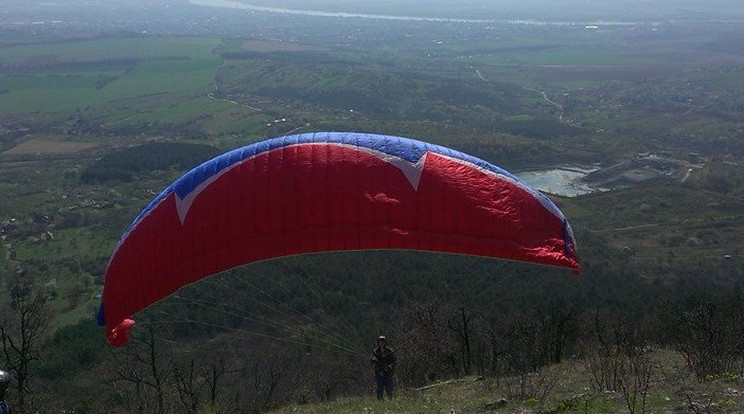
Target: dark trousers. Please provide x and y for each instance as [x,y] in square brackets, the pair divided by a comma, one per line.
[384,384]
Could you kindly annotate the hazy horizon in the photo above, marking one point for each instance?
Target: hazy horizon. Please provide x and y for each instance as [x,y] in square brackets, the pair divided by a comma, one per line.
[641,10]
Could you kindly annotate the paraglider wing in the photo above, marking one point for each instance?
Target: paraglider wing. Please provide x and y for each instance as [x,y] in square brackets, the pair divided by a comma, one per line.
[323,192]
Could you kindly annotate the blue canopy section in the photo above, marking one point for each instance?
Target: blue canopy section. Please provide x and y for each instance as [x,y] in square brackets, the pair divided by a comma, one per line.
[408,149]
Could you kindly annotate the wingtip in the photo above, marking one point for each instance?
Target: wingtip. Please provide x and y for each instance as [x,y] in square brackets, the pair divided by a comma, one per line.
[119,335]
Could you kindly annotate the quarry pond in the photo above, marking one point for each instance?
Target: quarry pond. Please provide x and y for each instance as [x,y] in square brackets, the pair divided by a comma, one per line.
[562,181]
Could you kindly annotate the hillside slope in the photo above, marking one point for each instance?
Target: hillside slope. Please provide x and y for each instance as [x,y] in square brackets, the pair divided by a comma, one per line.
[569,387]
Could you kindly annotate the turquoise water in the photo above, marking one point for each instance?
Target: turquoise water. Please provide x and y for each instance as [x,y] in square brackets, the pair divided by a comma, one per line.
[559,181]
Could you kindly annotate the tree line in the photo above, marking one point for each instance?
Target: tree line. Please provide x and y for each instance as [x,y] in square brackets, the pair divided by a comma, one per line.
[126,164]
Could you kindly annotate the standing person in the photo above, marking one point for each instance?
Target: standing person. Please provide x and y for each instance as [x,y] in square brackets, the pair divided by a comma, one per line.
[4,382]
[383,359]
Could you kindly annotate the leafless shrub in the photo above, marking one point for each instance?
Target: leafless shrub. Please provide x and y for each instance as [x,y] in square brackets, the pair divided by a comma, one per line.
[709,337]
[529,386]
[635,381]
[617,359]
[605,370]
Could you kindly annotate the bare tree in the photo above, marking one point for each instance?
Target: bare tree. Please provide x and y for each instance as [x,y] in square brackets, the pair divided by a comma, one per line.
[24,325]
[144,373]
[462,328]
[267,375]
[216,373]
[188,384]
[199,379]
[429,349]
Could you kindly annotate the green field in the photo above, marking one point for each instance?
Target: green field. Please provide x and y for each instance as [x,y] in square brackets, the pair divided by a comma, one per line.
[73,75]
[60,91]
[105,49]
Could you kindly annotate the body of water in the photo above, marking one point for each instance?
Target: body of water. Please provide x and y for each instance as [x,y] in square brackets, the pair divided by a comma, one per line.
[559,181]
[320,13]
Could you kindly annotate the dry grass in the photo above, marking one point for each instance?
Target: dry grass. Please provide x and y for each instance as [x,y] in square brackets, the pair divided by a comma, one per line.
[672,389]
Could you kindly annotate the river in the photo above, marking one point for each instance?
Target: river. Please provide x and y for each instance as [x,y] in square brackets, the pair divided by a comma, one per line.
[320,13]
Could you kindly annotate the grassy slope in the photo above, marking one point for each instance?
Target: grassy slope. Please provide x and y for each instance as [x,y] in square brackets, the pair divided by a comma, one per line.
[567,388]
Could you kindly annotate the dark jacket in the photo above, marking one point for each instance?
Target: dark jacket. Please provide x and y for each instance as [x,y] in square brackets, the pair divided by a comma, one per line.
[384,361]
